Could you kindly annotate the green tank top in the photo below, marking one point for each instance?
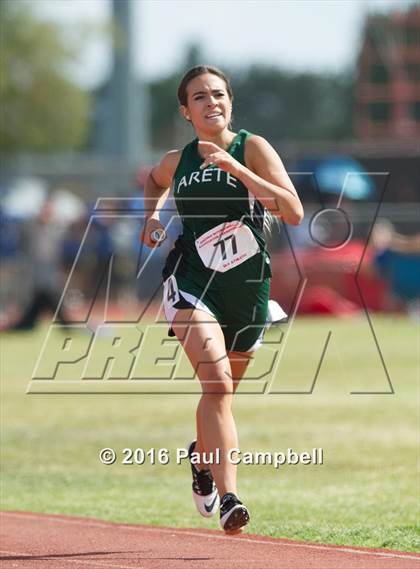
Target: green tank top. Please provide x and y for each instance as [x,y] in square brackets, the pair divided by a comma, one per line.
[209,198]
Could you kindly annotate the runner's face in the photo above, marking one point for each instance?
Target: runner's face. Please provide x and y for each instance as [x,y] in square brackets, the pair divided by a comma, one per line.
[209,108]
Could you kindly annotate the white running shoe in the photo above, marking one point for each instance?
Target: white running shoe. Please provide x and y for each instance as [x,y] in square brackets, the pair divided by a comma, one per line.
[204,491]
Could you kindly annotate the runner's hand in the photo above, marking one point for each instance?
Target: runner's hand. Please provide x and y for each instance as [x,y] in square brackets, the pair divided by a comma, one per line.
[215,155]
[151,225]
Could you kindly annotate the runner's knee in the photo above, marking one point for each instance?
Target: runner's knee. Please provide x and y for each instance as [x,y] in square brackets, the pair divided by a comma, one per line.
[218,388]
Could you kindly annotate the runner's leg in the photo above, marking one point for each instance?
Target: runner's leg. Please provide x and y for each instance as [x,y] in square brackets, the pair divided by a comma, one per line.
[239,362]
[202,339]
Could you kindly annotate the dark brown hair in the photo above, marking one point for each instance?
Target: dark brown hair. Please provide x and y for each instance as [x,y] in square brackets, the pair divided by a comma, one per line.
[195,72]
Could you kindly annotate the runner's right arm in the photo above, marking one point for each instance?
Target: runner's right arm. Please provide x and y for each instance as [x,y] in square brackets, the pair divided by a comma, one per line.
[156,191]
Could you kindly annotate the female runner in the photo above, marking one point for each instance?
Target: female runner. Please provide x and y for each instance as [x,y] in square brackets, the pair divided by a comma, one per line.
[217,276]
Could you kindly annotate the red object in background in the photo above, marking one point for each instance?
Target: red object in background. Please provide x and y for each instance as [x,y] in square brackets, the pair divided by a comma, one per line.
[325,300]
[331,286]
[369,289]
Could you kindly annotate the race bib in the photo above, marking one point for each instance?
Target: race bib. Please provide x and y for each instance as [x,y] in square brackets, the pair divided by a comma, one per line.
[170,291]
[226,246]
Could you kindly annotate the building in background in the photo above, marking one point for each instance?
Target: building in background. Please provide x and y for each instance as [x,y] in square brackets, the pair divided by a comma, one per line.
[387,90]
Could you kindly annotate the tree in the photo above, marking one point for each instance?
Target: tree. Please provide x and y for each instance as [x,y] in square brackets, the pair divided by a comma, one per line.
[168,128]
[42,109]
[283,105]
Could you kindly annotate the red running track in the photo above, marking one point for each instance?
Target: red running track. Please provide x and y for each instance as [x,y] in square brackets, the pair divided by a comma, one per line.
[41,541]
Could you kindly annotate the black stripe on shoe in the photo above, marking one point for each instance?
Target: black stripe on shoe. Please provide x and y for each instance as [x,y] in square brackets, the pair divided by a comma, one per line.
[203,483]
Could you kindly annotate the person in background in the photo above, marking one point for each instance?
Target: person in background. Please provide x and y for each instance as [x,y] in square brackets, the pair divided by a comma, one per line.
[397,259]
[42,243]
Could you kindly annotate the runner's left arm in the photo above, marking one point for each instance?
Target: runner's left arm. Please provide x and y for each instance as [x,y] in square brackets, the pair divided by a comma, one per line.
[264,176]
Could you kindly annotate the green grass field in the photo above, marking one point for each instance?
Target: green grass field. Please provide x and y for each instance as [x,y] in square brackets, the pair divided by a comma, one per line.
[365,494]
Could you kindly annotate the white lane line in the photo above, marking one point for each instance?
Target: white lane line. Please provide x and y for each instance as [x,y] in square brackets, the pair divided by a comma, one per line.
[113,525]
[61,559]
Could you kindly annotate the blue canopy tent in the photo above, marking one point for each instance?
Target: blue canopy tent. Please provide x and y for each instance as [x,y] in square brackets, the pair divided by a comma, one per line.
[334,175]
